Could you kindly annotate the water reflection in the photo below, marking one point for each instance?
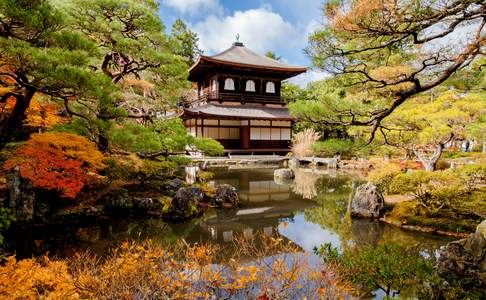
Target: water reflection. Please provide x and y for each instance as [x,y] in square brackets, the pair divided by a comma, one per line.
[310,211]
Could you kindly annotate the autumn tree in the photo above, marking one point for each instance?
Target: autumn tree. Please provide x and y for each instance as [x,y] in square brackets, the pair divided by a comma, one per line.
[390,51]
[186,41]
[39,54]
[426,127]
[61,162]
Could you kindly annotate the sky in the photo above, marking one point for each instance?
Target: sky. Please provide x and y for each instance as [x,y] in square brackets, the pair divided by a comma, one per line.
[281,26]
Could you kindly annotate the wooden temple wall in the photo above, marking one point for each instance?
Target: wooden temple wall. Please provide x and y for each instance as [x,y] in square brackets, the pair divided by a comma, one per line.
[243,134]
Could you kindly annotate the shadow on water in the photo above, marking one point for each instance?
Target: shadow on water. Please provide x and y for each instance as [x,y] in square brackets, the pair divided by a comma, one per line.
[310,211]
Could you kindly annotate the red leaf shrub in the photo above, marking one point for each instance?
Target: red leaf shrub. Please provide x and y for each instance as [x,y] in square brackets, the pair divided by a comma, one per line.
[58,161]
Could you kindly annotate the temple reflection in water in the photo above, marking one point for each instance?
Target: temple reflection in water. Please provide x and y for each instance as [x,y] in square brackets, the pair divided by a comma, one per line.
[265,205]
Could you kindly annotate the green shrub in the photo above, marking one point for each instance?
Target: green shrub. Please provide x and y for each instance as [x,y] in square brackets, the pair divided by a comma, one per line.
[209,146]
[383,175]
[204,176]
[472,175]
[432,190]
[155,170]
[179,160]
[332,147]
[388,267]
[143,170]
[118,169]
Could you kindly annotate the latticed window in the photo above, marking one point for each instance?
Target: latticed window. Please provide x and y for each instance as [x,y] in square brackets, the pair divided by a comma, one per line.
[229,84]
[250,86]
[270,88]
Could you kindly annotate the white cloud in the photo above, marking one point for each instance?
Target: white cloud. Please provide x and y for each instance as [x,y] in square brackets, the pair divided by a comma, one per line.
[193,7]
[310,76]
[260,29]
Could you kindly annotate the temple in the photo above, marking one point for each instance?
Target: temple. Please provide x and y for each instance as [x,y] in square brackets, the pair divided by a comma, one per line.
[238,101]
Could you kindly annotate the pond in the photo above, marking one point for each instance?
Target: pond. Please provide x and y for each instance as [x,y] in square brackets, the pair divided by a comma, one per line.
[310,211]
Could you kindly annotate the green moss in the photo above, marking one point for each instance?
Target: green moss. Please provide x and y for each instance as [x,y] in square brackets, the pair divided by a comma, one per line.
[462,217]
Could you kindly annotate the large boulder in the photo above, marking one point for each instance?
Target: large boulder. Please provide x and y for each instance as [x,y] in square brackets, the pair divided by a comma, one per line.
[185,204]
[368,202]
[284,173]
[30,204]
[174,185]
[226,195]
[143,203]
[117,201]
[465,259]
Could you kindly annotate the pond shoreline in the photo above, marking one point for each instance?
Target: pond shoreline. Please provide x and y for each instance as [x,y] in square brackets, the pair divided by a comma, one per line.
[425,229]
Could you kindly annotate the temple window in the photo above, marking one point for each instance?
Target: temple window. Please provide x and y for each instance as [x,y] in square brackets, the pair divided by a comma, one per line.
[213,85]
[229,84]
[270,87]
[250,86]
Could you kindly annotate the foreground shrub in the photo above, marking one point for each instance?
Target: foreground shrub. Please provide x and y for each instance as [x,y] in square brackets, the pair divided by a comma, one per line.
[383,175]
[58,161]
[388,267]
[180,271]
[302,142]
[332,147]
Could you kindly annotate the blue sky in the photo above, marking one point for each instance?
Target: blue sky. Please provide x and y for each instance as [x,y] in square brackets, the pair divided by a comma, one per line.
[281,26]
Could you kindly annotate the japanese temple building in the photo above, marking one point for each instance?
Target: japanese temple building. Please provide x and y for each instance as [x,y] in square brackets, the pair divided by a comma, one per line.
[238,101]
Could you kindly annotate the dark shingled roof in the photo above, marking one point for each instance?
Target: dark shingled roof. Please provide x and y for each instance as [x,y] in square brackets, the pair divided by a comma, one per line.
[240,56]
[240,112]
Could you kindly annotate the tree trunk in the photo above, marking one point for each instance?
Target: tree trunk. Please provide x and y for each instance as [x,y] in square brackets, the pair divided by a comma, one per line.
[430,164]
[14,120]
[103,143]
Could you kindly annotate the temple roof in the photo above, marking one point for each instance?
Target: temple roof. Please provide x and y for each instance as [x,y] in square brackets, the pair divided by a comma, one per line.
[240,56]
[240,112]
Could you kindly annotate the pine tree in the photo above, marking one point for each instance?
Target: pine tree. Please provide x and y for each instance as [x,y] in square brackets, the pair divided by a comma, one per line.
[187,41]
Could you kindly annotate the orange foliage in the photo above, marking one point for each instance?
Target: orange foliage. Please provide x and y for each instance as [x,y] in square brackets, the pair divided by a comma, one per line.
[362,12]
[39,114]
[58,161]
[179,271]
[36,279]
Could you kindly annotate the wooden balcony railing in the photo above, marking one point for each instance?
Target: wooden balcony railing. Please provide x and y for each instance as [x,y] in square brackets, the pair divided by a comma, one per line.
[249,98]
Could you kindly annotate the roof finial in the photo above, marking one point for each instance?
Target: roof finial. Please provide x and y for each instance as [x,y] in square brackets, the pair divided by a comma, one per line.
[238,43]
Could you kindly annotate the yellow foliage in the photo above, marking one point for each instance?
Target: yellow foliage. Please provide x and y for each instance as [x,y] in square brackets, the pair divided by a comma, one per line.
[36,279]
[40,112]
[180,271]
[361,11]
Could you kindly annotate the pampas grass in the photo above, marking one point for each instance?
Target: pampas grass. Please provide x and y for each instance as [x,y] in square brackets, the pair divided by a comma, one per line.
[302,142]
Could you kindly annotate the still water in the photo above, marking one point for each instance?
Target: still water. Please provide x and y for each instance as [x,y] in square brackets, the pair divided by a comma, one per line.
[310,211]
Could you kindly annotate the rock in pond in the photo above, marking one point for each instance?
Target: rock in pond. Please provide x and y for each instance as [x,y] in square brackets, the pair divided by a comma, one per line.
[174,185]
[226,195]
[294,163]
[117,200]
[27,203]
[368,202]
[465,258]
[284,173]
[143,203]
[185,204]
